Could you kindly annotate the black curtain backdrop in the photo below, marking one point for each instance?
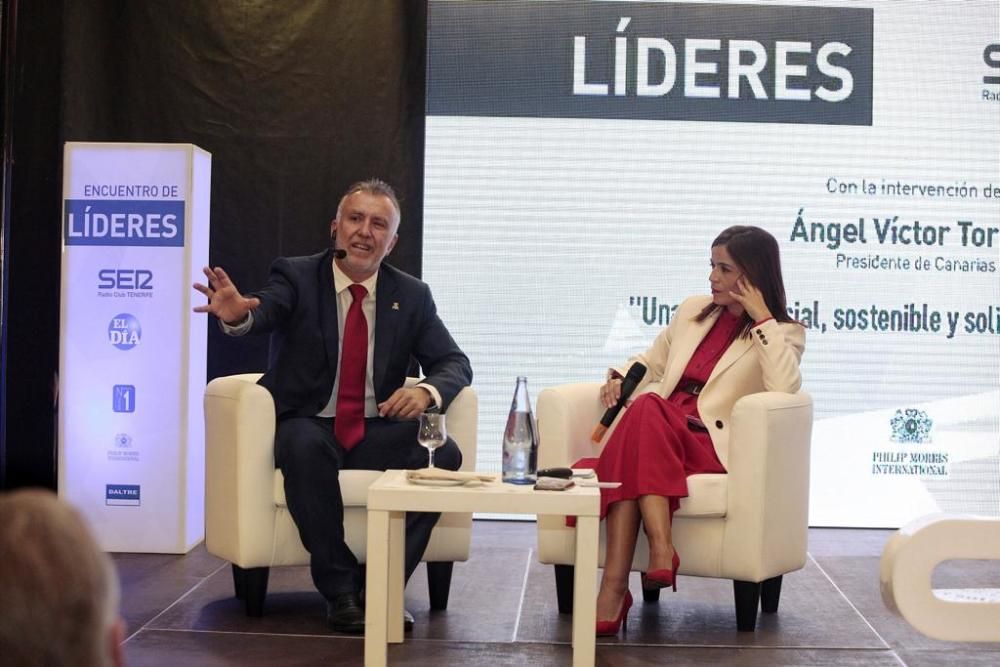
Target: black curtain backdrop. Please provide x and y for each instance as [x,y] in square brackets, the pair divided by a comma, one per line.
[295,100]
[29,336]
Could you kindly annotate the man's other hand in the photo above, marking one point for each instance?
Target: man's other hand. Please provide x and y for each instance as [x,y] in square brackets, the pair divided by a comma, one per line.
[405,403]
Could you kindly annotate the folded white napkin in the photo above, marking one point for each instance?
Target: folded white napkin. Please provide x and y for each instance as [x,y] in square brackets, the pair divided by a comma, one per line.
[450,475]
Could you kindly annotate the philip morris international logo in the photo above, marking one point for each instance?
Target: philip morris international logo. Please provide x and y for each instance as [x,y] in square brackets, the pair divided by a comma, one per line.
[123,222]
[122,494]
[911,426]
[911,430]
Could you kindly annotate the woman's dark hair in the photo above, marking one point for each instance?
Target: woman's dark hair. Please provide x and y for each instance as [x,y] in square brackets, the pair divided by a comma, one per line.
[755,251]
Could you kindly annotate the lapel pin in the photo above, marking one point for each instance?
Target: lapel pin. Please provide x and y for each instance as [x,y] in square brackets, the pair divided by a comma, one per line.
[395,305]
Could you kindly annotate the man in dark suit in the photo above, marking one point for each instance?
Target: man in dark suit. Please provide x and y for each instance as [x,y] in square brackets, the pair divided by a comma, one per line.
[345,329]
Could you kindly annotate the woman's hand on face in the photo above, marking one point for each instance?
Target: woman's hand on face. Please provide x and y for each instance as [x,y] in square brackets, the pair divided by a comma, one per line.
[752,299]
[611,391]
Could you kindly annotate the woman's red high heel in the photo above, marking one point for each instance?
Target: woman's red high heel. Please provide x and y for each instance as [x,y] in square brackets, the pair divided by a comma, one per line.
[663,578]
[610,628]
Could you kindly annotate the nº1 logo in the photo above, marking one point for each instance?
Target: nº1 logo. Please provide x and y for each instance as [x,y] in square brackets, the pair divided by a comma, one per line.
[123,398]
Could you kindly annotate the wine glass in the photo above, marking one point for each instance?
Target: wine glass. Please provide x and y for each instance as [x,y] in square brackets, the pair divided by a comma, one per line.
[431,433]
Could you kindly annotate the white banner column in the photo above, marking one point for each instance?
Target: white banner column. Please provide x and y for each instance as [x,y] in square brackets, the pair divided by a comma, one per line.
[132,355]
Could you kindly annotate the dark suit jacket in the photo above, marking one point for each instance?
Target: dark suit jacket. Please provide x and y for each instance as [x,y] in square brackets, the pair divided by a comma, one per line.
[298,306]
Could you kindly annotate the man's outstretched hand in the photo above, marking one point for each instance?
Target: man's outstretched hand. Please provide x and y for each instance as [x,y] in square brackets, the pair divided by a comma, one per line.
[224,300]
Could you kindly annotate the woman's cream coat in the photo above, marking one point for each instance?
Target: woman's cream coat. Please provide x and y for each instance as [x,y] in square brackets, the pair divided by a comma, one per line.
[766,361]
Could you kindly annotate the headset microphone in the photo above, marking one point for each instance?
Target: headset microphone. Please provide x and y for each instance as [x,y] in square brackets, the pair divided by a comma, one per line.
[339,253]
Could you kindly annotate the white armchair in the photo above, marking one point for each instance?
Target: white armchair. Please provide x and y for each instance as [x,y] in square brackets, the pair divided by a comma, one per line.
[246,520]
[749,525]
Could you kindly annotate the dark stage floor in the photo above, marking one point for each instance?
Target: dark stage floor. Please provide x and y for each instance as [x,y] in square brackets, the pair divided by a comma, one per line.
[502,611]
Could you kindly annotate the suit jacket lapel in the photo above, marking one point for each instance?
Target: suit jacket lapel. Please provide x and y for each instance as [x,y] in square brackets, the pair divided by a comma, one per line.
[328,311]
[682,349]
[386,324]
[736,349]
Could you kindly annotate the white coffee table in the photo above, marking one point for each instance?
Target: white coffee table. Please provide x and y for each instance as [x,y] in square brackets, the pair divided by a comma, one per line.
[391,496]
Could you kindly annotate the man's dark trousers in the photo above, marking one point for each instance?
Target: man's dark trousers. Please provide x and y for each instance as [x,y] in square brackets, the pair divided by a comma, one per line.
[311,459]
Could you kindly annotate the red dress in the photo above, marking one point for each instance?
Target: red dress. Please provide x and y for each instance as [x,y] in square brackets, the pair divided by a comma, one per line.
[654,448]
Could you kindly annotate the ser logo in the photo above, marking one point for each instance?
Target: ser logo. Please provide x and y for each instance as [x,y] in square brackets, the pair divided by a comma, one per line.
[124,331]
[124,282]
[991,56]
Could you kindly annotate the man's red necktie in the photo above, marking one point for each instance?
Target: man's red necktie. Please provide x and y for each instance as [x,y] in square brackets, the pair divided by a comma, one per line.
[349,423]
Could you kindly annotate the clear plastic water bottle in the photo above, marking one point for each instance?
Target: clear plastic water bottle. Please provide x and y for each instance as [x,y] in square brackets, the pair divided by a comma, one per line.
[520,439]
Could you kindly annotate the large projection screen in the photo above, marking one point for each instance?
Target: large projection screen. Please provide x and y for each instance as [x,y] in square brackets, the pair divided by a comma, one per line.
[581,157]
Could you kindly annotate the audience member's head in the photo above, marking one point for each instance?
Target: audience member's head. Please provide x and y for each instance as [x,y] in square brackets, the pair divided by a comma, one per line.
[58,590]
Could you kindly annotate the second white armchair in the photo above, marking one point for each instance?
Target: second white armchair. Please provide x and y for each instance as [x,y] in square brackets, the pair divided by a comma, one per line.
[749,525]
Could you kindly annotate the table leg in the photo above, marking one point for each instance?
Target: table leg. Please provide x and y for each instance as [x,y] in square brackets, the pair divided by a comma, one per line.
[585,591]
[376,591]
[397,556]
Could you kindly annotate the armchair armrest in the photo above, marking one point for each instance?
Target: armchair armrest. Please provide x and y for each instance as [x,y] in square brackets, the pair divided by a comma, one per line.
[768,474]
[239,467]
[566,416]
[463,422]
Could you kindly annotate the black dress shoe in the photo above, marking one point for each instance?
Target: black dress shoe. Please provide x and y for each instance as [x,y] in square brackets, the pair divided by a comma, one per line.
[344,614]
[407,616]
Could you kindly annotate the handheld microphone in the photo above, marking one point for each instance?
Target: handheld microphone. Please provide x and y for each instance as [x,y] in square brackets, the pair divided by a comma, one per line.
[631,381]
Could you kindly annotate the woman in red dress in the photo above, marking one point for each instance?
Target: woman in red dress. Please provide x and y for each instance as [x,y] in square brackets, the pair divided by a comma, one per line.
[715,350]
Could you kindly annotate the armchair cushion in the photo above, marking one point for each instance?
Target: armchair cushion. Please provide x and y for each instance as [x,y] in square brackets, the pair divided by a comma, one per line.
[709,495]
